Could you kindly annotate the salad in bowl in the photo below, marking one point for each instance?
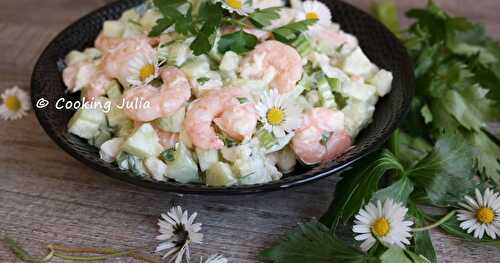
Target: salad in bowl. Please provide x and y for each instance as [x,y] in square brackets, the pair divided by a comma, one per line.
[223,92]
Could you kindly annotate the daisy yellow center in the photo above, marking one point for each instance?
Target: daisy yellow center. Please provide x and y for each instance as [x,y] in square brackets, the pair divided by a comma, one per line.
[485,215]
[146,72]
[312,16]
[12,103]
[236,4]
[381,227]
[275,116]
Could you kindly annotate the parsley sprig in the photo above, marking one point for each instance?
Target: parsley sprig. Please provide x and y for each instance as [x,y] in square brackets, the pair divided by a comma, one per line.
[206,22]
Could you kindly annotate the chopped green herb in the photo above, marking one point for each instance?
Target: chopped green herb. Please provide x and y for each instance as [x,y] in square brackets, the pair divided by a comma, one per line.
[203,80]
[292,31]
[239,42]
[168,155]
[263,17]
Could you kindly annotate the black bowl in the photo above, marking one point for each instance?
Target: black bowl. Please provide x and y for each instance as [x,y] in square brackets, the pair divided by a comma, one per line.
[380,45]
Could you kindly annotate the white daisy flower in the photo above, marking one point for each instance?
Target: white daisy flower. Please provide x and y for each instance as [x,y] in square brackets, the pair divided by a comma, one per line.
[215,259]
[383,222]
[15,104]
[178,231]
[241,7]
[481,214]
[315,10]
[278,115]
[143,69]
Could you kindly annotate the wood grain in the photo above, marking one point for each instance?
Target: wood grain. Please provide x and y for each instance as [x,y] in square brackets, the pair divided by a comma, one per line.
[46,196]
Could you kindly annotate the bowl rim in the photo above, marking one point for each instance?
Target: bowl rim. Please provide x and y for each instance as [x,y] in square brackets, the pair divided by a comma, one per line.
[199,188]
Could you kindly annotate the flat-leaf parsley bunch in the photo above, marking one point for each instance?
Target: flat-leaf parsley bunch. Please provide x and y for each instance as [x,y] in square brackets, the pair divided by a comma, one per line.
[443,156]
[204,20]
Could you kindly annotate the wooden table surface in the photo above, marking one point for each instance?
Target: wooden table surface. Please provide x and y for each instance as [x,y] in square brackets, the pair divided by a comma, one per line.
[47,196]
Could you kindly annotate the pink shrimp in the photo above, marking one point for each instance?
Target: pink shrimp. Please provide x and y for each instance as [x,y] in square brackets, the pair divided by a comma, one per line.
[98,86]
[163,102]
[107,44]
[223,108]
[308,143]
[275,56]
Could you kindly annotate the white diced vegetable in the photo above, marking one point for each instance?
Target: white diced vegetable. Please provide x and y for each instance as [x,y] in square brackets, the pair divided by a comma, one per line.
[196,67]
[181,166]
[357,63]
[382,81]
[156,168]
[93,53]
[143,142]
[74,57]
[130,15]
[86,122]
[359,91]
[286,160]
[172,123]
[113,28]
[110,149]
[220,174]
[230,62]
[206,158]
[357,116]
[148,20]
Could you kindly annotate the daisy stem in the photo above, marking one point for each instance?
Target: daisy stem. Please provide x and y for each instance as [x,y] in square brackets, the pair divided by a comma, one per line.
[22,254]
[437,223]
[91,258]
[93,250]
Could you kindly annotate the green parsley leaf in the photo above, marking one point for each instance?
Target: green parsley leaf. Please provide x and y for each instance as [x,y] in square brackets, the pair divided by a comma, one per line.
[446,174]
[263,17]
[212,13]
[399,191]
[162,24]
[292,31]
[387,12]
[239,42]
[313,242]
[358,185]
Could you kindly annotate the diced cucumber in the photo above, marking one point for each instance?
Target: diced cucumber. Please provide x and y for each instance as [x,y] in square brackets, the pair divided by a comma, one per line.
[114,90]
[86,122]
[231,154]
[212,80]
[116,116]
[230,62]
[182,168]
[156,168]
[287,160]
[93,53]
[132,29]
[357,63]
[136,166]
[148,20]
[131,163]
[176,54]
[382,81]
[172,123]
[220,174]
[303,45]
[360,91]
[206,158]
[196,67]
[113,28]
[110,149]
[266,139]
[74,57]
[335,84]
[326,94]
[125,128]
[104,134]
[130,15]
[143,142]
